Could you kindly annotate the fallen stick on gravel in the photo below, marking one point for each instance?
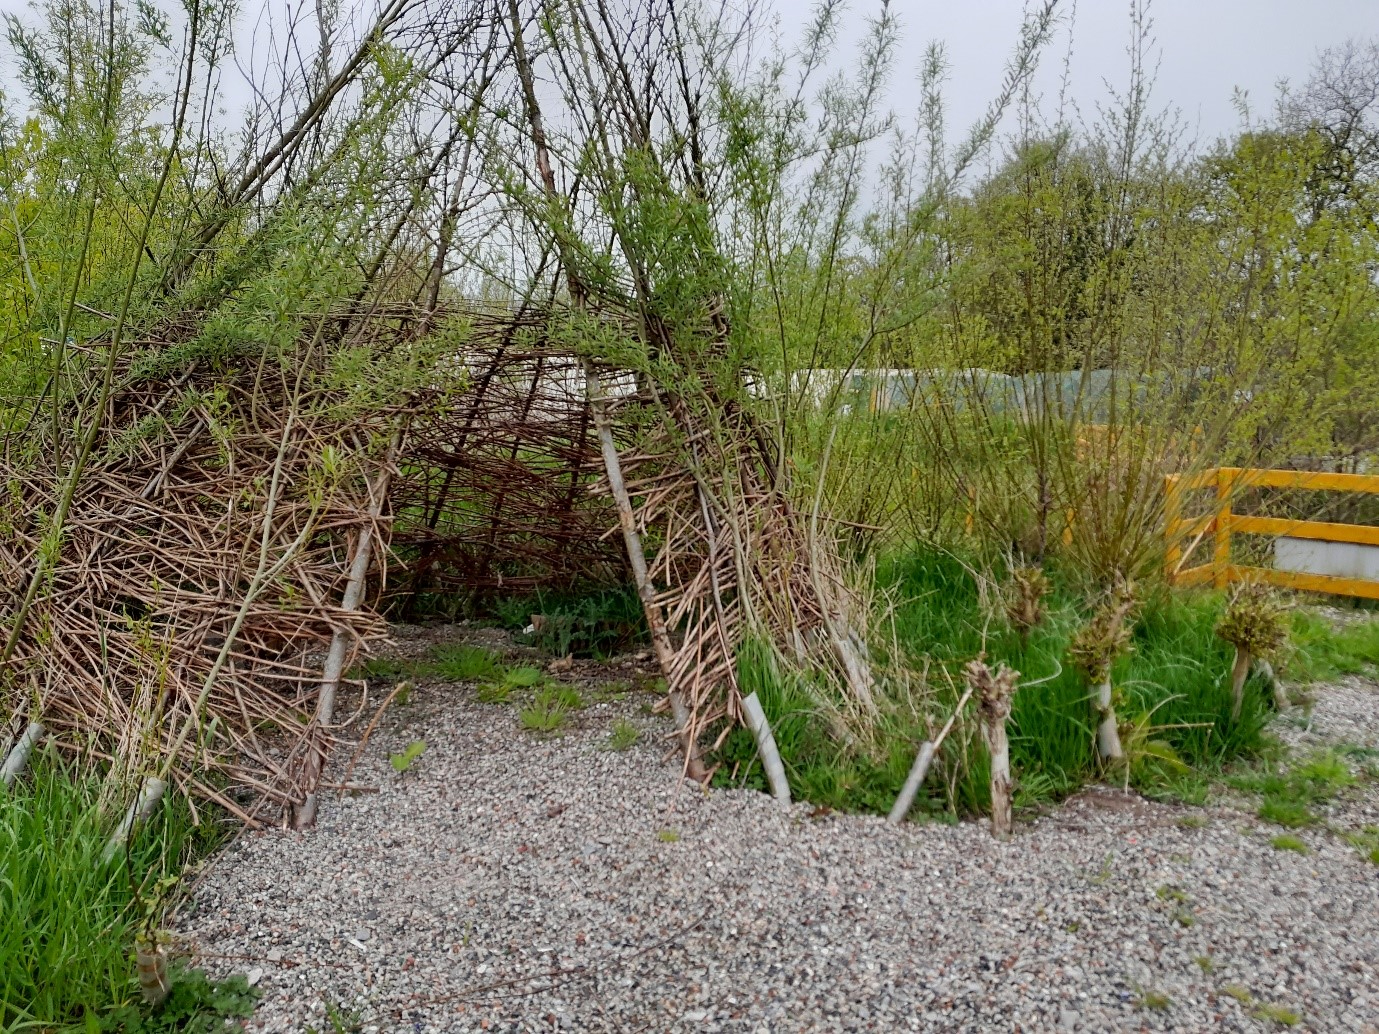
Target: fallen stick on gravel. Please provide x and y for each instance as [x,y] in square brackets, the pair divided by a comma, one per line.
[149,796]
[995,691]
[766,747]
[19,754]
[920,768]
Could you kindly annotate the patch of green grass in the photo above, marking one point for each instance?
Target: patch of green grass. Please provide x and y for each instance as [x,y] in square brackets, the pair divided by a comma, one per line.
[195,1005]
[568,698]
[523,677]
[623,735]
[1173,691]
[510,680]
[67,920]
[545,714]
[1288,842]
[1239,992]
[493,692]
[668,836]
[382,668]
[1284,812]
[1325,774]
[1366,841]
[1192,821]
[403,761]
[1168,892]
[1279,1014]
[612,691]
[1155,1000]
[1290,794]
[1205,963]
[460,662]
[1320,652]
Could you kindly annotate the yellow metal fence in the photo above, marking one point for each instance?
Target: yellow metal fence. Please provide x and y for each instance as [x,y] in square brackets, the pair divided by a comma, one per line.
[1184,534]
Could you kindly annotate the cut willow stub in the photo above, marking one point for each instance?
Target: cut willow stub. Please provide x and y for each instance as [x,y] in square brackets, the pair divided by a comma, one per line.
[995,692]
[1254,625]
[1094,651]
[151,964]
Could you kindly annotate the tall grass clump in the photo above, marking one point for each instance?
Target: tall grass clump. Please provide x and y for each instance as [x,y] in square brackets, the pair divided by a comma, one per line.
[1172,688]
[67,920]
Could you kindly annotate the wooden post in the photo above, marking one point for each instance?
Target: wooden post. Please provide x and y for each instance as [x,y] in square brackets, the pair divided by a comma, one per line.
[636,559]
[920,768]
[766,747]
[304,815]
[149,795]
[1173,550]
[19,753]
[1221,557]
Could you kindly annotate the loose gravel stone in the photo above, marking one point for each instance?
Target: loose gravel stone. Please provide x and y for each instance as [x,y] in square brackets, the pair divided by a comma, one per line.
[512,883]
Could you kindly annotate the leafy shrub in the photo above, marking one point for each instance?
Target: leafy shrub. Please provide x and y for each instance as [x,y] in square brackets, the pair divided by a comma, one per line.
[195,1005]
[597,624]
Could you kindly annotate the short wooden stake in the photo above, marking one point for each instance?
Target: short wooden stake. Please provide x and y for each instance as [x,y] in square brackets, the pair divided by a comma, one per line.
[920,768]
[149,796]
[766,748]
[19,754]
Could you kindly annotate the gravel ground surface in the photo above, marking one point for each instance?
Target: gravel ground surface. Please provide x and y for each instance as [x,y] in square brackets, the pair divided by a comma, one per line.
[513,883]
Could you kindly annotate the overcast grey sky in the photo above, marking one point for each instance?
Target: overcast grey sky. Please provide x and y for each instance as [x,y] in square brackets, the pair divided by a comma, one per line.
[1207,48]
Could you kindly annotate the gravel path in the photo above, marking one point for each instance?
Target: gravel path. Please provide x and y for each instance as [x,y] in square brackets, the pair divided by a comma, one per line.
[510,883]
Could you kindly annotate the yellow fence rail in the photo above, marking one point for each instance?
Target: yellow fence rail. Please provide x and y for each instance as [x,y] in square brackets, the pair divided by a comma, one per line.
[1184,534]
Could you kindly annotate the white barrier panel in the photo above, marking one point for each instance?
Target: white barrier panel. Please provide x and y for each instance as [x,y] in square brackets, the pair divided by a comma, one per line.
[1336,559]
